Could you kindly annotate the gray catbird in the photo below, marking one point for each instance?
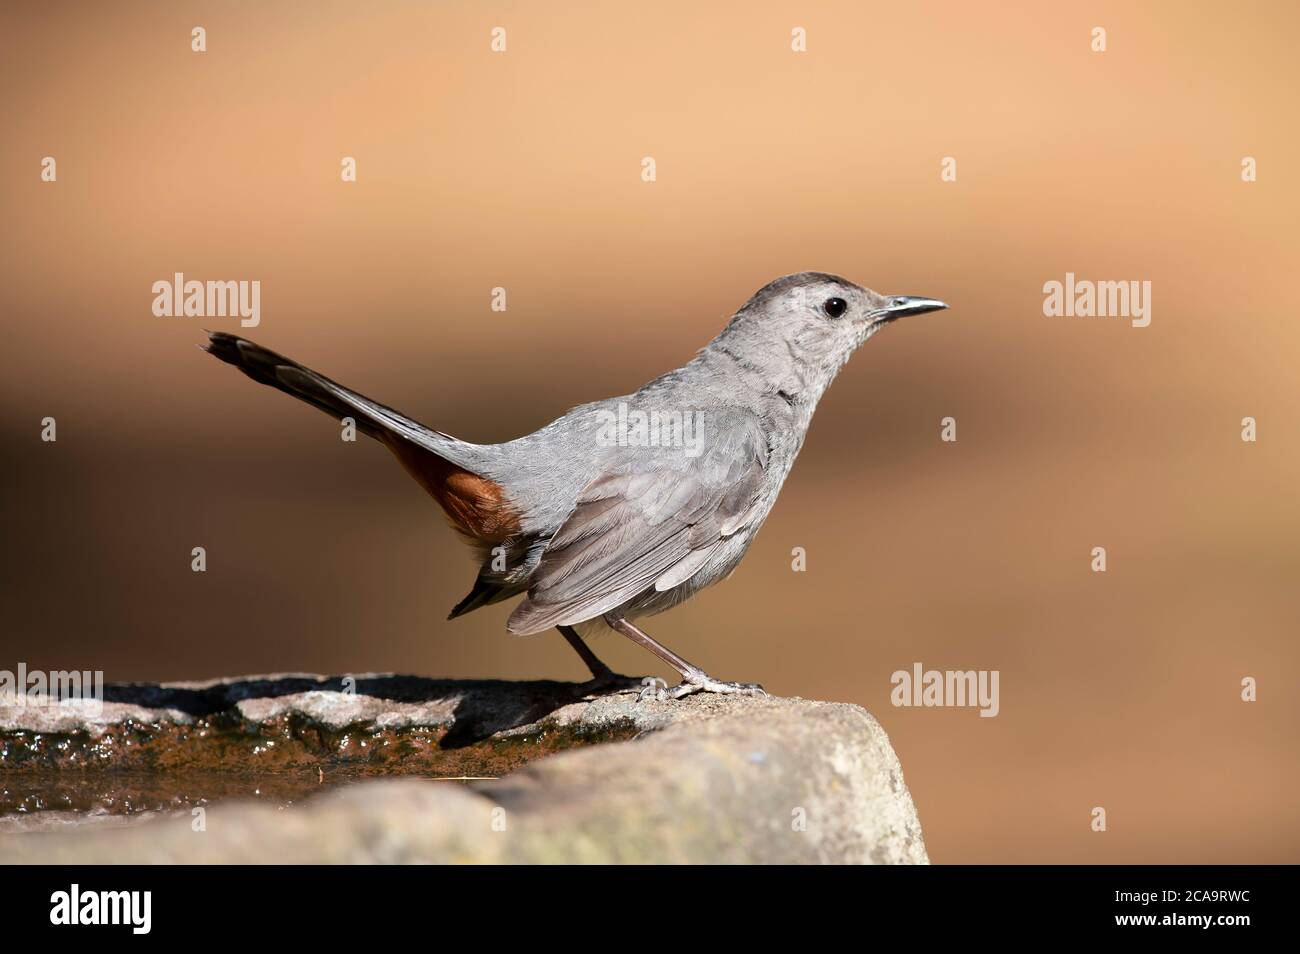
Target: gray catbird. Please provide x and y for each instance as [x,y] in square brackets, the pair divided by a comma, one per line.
[626,507]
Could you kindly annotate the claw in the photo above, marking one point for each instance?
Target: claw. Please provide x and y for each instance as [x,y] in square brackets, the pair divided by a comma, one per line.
[652,687]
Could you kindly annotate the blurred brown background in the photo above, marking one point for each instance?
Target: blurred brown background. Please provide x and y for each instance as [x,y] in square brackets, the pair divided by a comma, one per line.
[523,170]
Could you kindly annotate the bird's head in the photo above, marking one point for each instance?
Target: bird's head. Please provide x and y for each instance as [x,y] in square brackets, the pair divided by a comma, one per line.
[804,327]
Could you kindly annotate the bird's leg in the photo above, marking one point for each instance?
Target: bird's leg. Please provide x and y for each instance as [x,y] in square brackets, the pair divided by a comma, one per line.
[694,679]
[601,675]
[598,669]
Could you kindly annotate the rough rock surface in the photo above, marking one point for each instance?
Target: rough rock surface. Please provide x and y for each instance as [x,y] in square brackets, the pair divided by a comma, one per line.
[703,779]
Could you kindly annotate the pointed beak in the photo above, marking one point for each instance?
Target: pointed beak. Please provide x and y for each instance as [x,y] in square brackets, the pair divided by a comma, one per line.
[900,306]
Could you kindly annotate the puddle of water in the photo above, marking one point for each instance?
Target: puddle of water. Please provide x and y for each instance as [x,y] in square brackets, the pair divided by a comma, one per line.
[33,801]
[135,770]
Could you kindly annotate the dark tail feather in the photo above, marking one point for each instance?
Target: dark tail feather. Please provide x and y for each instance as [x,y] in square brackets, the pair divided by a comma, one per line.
[481,595]
[488,589]
[267,367]
[446,467]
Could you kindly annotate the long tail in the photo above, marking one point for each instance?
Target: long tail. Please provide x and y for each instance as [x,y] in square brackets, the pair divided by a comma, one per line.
[267,367]
[444,466]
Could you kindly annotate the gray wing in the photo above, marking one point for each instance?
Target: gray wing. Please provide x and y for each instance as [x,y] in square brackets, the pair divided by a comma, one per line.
[650,519]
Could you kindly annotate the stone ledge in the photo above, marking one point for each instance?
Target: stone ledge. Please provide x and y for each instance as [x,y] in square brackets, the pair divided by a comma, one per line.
[605,778]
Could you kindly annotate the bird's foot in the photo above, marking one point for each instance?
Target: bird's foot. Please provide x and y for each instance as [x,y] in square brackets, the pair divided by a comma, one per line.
[709,684]
[607,681]
[699,682]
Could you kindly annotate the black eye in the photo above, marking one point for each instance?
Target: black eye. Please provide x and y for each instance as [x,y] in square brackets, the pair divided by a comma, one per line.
[834,307]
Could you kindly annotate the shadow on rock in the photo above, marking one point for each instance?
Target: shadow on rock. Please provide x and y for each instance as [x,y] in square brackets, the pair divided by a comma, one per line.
[483,707]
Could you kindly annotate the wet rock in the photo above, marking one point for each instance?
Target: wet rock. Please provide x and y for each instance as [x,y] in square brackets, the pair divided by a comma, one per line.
[559,776]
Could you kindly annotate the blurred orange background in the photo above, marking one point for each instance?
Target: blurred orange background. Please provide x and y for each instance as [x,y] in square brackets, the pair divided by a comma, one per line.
[522,169]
